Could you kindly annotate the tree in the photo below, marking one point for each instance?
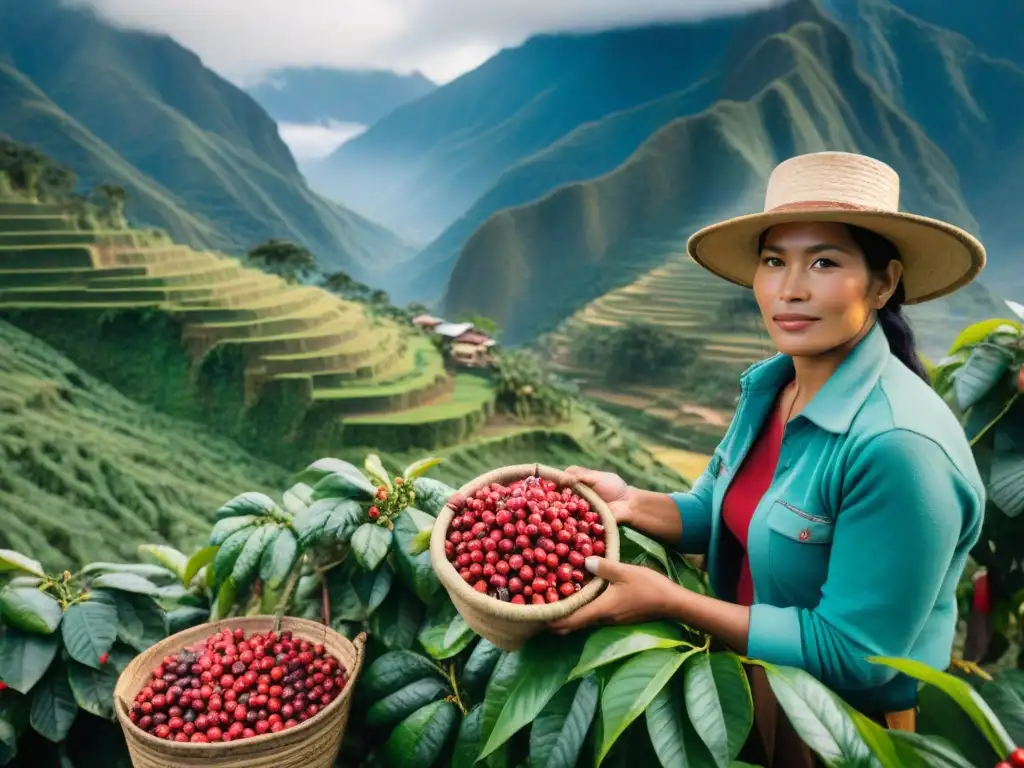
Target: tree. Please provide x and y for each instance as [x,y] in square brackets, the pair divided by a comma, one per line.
[111,201]
[34,174]
[485,324]
[636,352]
[282,257]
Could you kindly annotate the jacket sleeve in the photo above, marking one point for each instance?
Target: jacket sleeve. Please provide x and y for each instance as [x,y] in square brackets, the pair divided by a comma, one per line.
[900,536]
[695,511]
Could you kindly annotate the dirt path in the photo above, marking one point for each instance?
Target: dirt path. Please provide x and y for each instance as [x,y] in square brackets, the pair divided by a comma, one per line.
[687,463]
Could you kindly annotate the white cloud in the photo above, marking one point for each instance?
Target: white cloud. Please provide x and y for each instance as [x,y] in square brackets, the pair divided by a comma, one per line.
[314,141]
[243,39]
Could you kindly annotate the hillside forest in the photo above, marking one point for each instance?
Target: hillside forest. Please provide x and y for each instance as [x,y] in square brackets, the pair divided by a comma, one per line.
[234,383]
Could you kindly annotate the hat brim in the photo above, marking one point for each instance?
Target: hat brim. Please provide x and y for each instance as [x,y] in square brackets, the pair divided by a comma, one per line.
[938,258]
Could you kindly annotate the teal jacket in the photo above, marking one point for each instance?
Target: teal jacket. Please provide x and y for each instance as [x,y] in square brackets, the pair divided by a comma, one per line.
[857,547]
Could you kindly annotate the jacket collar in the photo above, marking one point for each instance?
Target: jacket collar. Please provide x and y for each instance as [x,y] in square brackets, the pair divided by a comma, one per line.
[835,404]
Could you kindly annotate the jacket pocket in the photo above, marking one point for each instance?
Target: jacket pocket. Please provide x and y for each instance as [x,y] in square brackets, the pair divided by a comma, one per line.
[799,549]
[800,526]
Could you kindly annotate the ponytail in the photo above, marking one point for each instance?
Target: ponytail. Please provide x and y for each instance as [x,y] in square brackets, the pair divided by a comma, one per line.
[878,252]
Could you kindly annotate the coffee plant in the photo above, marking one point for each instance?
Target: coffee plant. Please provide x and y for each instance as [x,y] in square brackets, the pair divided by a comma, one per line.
[982,380]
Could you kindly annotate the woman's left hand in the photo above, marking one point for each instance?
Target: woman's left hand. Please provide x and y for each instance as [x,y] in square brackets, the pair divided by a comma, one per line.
[634,594]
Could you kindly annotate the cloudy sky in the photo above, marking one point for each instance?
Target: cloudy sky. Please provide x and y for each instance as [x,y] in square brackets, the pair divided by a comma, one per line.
[243,39]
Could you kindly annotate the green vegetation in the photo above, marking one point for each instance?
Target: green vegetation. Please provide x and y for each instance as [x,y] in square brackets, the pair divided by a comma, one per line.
[635,352]
[284,259]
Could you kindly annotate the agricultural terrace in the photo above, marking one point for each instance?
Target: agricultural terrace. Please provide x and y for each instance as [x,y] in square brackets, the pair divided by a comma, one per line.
[689,411]
[282,367]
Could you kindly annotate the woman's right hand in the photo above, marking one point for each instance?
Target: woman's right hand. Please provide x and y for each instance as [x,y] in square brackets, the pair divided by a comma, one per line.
[610,487]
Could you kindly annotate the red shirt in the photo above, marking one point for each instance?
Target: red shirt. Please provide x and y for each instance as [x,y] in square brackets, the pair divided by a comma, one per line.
[749,485]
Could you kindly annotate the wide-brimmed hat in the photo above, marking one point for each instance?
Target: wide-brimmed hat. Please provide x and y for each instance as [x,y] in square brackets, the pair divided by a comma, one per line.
[937,257]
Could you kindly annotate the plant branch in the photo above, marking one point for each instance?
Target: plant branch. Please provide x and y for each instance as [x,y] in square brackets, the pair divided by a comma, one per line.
[325,602]
[455,690]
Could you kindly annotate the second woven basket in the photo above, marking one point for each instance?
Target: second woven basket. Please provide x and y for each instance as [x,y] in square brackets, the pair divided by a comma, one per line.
[507,625]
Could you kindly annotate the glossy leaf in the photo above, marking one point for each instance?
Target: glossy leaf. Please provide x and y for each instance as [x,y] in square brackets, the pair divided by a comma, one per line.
[247,564]
[224,561]
[431,495]
[978,332]
[415,570]
[609,644]
[226,594]
[230,525]
[630,690]
[30,609]
[1006,482]
[468,743]
[321,468]
[444,633]
[1005,695]
[125,582]
[719,703]
[819,717]
[89,631]
[279,558]
[25,657]
[397,621]
[478,668]
[984,367]
[53,705]
[370,544]
[343,486]
[186,617]
[248,503]
[558,733]
[376,472]
[355,594]
[156,574]
[197,562]
[417,468]
[329,520]
[406,700]
[544,665]
[15,561]
[93,689]
[673,738]
[297,498]
[394,670]
[916,751]
[419,739]
[635,544]
[169,557]
[499,687]
[941,716]
[140,622]
[969,700]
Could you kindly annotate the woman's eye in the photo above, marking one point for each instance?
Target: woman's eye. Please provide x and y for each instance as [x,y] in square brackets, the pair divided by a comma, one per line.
[824,263]
[771,261]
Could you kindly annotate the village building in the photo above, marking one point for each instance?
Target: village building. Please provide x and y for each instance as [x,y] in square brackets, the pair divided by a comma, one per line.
[463,343]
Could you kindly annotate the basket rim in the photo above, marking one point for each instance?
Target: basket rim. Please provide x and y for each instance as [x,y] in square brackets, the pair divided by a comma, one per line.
[288,623]
[452,581]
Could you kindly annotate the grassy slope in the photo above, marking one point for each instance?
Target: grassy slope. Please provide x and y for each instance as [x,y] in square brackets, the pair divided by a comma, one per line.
[178,126]
[591,237]
[88,474]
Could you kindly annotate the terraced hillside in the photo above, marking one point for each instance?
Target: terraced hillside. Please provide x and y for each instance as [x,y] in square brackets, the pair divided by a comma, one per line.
[275,365]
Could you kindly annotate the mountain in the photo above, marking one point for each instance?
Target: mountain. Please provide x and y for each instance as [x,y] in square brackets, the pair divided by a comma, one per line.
[798,90]
[426,163]
[198,156]
[318,94]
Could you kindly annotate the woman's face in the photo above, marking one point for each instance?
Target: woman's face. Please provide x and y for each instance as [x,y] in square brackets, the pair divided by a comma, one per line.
[814,289]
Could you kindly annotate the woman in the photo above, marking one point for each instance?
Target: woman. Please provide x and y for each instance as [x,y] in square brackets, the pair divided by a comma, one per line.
[838,510]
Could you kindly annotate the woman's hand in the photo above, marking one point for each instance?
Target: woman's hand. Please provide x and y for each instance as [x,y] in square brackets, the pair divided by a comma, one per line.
[634,594]
[610,487]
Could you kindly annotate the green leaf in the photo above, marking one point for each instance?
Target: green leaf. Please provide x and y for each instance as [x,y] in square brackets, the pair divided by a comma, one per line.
[978,332]
[467,743]
[415,569]
[30,609]
[53,705]
[1006,482]
[499,688]
[330,520]
[673,738]
[248,562]
[420,543]
[140,622]
[226,595]
[917,751]
[197,562]
[154,573]
[15,561]
[417,468]
[631,688]
[444,633]
[343,486]
[297,498]
[8,742]
[478,668]
[396,622]
[25,581]
[376,472]
[395,670]
[321,468]
[169,557]
[969,700]
[224,561]
[89,631]
[186,617]
[230,525]
[431,495]
[125,582]
[419,739]
[355,594]
[557,735]
[1005,695]
[719,703]
[93,689]
[25,657]
[279,559]
[635,544]
[819,717]
[406,700]
[544,666]
[610,644]
[370,544]
[941,716]
[248,503]
[984,367]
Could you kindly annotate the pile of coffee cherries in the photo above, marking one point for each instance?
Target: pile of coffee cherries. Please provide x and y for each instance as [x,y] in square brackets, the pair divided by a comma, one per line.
[524,543]
[232,687]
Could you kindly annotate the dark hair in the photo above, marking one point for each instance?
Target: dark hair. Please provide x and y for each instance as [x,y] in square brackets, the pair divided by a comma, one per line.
[878,252]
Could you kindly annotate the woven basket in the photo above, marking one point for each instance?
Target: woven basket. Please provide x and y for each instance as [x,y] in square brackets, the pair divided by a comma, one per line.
[507,625]
[312,744]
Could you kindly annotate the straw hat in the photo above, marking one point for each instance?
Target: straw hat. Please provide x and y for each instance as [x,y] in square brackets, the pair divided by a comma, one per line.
[841,187]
